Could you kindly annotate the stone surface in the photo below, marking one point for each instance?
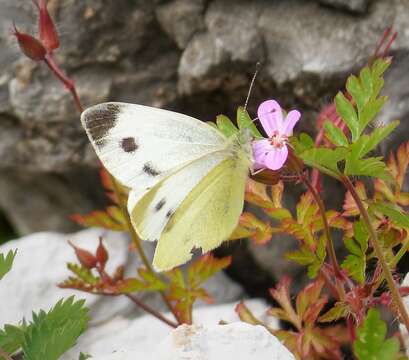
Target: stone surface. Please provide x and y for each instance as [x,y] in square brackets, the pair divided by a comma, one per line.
[356,6]
[40,265]
[139,338]
[241,341]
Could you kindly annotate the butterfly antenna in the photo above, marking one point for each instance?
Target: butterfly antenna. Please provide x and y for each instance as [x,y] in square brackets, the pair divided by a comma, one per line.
[258,65]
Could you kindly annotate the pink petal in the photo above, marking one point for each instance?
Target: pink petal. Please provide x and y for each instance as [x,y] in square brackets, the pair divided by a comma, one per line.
[270,115]
[261,148]
[292,118]
[276,158]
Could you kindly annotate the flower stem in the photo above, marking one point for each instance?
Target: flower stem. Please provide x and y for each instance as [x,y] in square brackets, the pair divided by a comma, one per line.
[151,311]
[134,299]
[67,82]
[397,299]
[329,242]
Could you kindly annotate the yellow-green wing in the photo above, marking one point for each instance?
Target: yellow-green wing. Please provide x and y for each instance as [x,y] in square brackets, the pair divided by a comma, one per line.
[207,216]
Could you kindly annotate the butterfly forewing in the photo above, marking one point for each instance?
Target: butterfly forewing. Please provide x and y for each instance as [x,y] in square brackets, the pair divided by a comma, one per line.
[141,145]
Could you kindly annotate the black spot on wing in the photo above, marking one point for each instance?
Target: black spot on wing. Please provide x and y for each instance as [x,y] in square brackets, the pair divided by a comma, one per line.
[129,144]
[100,120]
[160,204]
[149,169]
[169,214]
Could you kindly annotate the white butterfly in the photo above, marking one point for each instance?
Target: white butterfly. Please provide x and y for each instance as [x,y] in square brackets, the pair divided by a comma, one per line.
[187,178]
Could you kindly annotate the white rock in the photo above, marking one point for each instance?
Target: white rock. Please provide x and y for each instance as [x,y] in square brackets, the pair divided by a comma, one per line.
[239,341]
[40,265]
[140,337]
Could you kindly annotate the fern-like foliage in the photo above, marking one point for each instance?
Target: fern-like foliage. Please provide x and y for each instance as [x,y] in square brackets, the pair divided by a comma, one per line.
[48,335]
[6,262]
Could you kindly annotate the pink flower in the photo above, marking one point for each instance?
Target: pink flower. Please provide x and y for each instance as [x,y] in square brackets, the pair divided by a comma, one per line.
[272,153]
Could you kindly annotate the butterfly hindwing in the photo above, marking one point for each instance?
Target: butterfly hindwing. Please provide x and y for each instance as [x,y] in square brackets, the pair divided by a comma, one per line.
[151,211]
[206,217]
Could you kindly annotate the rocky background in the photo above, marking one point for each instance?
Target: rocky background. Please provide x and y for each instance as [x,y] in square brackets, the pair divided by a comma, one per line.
[194,56]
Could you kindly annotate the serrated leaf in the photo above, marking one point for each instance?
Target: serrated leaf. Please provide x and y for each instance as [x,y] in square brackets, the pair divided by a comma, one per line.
[83,273]
[355,89]
[355,262]
[225,125]
[374,167]
[349,206]
[147,281]
[244,122]
[393,212]
[324,159]
[348,114]
[251,227]
[308,305]
[369,111]
[51,334]
[338,311]
[84,356]
[335,134]
[245,314]
[366,143]
[371,342]
[304,256]
[12,338]
[184,292]
[206,267]
[112,219]
[6,262]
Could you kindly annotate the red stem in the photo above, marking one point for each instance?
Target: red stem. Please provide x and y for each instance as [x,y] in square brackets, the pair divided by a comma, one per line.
[68,83]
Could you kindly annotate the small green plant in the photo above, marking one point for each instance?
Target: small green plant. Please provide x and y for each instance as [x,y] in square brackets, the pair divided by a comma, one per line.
[49,334]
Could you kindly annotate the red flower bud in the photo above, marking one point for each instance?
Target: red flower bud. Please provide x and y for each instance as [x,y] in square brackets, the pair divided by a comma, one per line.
[102,253]
[85,257]
[48,33]
[29,45]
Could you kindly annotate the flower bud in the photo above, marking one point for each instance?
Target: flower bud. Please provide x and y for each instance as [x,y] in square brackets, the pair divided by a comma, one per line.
[48,33]
[86,259]
[102,253]
[29,45]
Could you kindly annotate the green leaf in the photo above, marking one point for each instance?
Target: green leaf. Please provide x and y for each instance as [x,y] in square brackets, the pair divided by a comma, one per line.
[366,143]
[366,167]
[347,113]
[355,262]
[369,111]
[225,125]
[83,273]
[339,311]
[393,212]
[244,122]
[304,256]
[371,343]
[356,91]
[335,134]
[51,334]
[84,356]
[6,262]
[12,338]
[324,159]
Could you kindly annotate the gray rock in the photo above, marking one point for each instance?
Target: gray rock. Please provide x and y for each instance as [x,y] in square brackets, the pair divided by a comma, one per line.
[180,19]
[355,6]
